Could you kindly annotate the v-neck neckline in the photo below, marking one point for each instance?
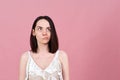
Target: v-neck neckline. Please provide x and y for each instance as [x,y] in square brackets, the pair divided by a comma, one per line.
[48,64]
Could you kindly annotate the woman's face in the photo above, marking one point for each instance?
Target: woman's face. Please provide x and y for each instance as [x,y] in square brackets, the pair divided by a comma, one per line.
[42,31]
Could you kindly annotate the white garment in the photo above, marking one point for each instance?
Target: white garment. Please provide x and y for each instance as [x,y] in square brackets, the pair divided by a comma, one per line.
[52,72]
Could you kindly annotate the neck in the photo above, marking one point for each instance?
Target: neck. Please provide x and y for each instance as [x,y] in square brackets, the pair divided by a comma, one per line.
[43,48]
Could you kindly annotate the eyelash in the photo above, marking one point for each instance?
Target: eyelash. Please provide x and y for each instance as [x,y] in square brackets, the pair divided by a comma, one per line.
[49,29]
[40,28]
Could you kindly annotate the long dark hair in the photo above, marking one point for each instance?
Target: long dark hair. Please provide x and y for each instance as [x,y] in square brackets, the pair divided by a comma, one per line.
[53,42]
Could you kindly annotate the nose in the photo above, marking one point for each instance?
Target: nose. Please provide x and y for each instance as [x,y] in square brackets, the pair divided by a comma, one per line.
[44,32]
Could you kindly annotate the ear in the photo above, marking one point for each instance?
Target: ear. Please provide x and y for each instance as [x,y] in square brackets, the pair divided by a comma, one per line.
[33,32]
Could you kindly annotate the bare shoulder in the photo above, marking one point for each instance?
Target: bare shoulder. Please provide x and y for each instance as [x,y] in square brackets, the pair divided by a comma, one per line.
[65,64]
[24,56]
[63,56]
[22,65]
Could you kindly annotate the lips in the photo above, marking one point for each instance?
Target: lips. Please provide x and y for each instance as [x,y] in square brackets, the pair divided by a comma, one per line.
[45,38]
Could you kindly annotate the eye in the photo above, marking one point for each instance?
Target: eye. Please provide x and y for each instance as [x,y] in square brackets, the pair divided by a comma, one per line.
[39,28]
[49,29]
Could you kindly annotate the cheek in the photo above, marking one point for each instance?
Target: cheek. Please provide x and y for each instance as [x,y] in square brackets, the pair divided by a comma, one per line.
[38,36]
[49,34]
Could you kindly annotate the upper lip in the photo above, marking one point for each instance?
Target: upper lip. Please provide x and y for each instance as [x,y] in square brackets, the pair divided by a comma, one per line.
[45,37]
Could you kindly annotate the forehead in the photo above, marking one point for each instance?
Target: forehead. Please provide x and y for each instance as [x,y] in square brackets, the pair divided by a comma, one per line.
[43,23]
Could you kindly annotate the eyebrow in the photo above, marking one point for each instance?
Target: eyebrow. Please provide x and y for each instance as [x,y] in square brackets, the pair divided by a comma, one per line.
[38,26]
[42,27]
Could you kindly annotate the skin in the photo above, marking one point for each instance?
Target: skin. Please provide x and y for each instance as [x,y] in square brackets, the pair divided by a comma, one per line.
[43,58]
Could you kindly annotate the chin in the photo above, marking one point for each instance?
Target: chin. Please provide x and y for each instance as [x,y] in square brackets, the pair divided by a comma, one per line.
[45,42]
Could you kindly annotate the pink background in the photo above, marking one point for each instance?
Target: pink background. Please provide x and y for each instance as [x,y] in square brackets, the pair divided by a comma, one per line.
[88,30]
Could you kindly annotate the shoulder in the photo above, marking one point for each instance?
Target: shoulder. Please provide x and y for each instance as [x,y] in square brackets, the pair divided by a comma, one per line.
[24,57]
[22,65]
[63,56]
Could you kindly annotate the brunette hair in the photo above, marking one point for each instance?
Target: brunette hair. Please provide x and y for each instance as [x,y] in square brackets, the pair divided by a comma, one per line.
[53,42]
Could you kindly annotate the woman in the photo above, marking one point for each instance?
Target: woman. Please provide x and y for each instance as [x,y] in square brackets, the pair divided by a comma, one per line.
[44,61]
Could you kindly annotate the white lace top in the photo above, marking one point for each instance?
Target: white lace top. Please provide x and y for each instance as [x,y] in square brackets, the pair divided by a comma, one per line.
[52,72]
